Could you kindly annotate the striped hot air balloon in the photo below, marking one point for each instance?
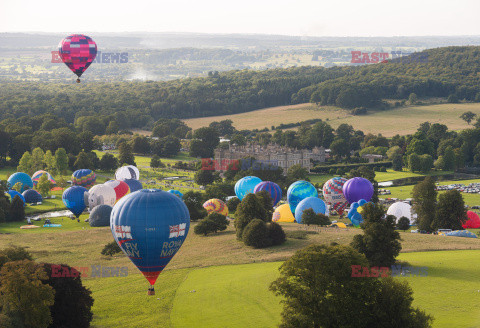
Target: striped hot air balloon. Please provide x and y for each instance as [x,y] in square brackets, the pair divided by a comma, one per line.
[216,205]
[84,178]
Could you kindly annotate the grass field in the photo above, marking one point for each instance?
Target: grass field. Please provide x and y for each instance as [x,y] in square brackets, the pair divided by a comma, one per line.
[384,122]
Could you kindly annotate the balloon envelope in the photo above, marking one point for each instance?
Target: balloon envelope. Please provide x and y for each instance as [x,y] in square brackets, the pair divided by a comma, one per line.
[22,178]
[32,196]
[121,188]
[315,203]
[101,195]
[14,193]
[100,216]
[77,51]
[283,214]
[298,191]
[272,188]
[216,205]
[74,199]
[37,175]
[246,186]
[358,188]
[84,178]
[133,184]
[150,226]
[473,221]
[127,172]
[400,209]
[176,193]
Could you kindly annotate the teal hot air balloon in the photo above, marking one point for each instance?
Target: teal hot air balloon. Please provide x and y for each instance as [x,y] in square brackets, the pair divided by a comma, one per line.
[150,226]
[74,199]
[23,178]
[176,193]
[298,191]
[246,186]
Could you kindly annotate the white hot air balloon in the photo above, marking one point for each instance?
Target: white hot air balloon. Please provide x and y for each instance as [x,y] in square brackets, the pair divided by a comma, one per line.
[400,209]
[101,195]
[127,172]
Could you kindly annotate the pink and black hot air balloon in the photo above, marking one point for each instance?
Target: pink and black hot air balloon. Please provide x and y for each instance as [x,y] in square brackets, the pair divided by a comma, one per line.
[77,52]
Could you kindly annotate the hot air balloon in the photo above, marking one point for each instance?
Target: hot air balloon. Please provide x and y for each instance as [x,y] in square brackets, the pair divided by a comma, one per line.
[245,186]
[358,188]
[473,221]
[283,214]
[101,195]
[100,216]
[150,226]
[127,172]
[37,175]
[77,51]
[400,209]
[216,205]
[333,194]
[315,203]
[22,178]
[298,191]
[272,188]
[176,193]
[74,199]
[121,188]
[32,196]
[355,212]
[84,178]
[14,193]
[133,184]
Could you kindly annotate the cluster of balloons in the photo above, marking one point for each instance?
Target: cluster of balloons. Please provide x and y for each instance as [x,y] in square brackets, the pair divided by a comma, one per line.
[252,184]
[27,194]
[216,205]
[355,212]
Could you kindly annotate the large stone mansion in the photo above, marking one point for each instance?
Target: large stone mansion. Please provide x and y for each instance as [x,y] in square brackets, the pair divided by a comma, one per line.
[283,157]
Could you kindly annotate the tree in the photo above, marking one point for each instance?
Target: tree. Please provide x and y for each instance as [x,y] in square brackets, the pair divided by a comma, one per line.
[339,148]
[17,209]
[380,243]
[296,172]
[23,296]
[403,223]
[194,201]
[397,162]
[310,217]
[25,164]
[155,162]
[38,159]
[232,204]
[108,162]
[125,155]
[319,290]
[425,203]
[451,212]
[207,139]
[83,161]
[250,208]
[204,227]
[141,145]
[204,177]
[62,183]
[49,161]
[412,99]
[44,185]
[73,301]
[256,234]
[61,160]
[14,253]
[86,142]
[276,234]
[449,159]
[267,202]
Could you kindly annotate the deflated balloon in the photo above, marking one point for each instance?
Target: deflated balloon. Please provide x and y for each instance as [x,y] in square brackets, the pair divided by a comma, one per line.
[150,226]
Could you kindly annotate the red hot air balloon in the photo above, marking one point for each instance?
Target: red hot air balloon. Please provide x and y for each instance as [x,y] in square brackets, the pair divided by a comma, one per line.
[77,52]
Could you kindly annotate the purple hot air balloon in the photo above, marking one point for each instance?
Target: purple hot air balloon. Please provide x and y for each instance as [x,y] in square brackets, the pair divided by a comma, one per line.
[356,189]
[272,188]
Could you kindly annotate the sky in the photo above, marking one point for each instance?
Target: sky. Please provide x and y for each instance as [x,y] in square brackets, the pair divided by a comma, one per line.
[294,17]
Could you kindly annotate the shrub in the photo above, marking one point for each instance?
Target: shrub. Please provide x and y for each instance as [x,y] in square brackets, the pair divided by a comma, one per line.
[403,223]
[205,226]
[232,204]
[220,221]
[276,233]
[111,249]
[250,208]
[256,234]
[383,169]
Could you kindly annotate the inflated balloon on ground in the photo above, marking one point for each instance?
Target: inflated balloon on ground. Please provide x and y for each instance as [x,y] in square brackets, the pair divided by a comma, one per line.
[127,172]
[150,226]
[101,195]
[283,214]
[176,193]
[246,186]
[333,194]
[121,188]
[37,175]
[14,193]
[298,191]
[84,178]
[32,196]
[216,205]
[133,184]
[400,209]
[358,188]
[315,203]
[272,188]
[472,222]
[22,178]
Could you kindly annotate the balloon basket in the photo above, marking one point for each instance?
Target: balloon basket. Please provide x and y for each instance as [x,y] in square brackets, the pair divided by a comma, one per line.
[151,291]
[78,80]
